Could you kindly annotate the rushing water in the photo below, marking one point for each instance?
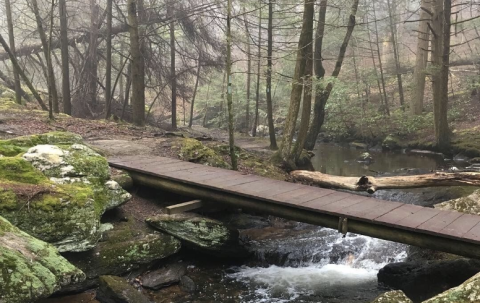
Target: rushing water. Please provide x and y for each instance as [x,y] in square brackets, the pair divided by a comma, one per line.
[321,265]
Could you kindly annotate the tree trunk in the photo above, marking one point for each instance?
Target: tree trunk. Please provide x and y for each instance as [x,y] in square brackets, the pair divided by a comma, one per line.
[51,78]
[249,71]
[138,67]
[372,53]
[322,95]
[22,73]
[395,53]
[173,77]
[10,83]
[380,65]
[372,184]
[271,126]
[108,67]
[52,89]
[195,89]
[11,38]
[440,61]
[67,100]
[416,105]
[231,138]
[259,59]
[306,36]
[204,124]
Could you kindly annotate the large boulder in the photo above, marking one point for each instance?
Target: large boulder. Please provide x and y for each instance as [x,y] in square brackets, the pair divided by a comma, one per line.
[31,269]
[125,246]
[204,234]
[423,280]
[165,276]
[394,296]
[469,204]
[467,292]
[58,193]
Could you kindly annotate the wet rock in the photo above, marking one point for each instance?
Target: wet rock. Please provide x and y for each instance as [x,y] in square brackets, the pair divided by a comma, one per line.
[423,280]
[365,158]
[244,221]
[188,284]
[166,276]
[58,194]
[475,160]
[31,269]
[116,290]
[391,142]
[86,297]
[201,233]
[469,204]
[467,292]
[122,249]
[395,296]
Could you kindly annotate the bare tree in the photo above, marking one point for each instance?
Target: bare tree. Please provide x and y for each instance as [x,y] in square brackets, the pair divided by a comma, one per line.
[271,126]
[138,67]
[231,138]
[67,103]
[11,38]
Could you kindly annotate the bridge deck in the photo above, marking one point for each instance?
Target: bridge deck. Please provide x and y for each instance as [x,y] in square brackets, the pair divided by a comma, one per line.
[395,221]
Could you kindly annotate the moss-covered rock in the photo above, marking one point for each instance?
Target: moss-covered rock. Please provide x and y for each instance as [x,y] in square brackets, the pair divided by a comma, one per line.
[125,246]
[115,289]
[395,296]
[15,146]
[467,292]
[391,142]
[201,233]
[194,151]
[30,268]
[469,204]
[58,193]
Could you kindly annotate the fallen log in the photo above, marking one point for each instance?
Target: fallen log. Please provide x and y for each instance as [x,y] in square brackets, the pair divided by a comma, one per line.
[371,184]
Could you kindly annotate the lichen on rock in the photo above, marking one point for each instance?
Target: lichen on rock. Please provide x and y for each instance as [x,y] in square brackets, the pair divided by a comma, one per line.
[394,296]
[201,233]
[467,292]
[30,268]
[123,248]
[469,204]
[58,193]
[194,151]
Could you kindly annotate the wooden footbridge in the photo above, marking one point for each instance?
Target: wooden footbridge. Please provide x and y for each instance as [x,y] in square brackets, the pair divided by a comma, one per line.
[441,230]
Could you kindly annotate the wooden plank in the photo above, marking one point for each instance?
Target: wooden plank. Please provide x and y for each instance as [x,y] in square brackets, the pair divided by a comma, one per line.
[324,200]
[241,179]
[279,187]
[137,161]
[419,217]
[183,207]
[460,226]
[340,205]
[437,223]
[392,217]
[473,234]
[192,174]
[212,180]
[302,194]
[357,210]
[377,212]
[252,187]
[161,169]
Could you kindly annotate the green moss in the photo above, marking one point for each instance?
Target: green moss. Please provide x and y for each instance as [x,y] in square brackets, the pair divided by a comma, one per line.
[88,163]
[30,269]
[467,142]
[15,146]
[8,200]
[18,170]
[194,151]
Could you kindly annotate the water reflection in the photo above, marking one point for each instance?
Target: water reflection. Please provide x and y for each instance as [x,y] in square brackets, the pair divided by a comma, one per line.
[341,160]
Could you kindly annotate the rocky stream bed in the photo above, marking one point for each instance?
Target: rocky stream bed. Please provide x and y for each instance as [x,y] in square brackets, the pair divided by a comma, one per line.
[69,232]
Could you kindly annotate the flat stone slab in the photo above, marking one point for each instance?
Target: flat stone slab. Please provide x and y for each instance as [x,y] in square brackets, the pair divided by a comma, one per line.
[165,276]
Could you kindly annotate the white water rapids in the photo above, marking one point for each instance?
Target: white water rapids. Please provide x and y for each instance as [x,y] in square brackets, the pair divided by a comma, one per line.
[339,269]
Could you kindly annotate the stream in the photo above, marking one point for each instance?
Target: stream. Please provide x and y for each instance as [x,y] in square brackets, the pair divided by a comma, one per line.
[320,265]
